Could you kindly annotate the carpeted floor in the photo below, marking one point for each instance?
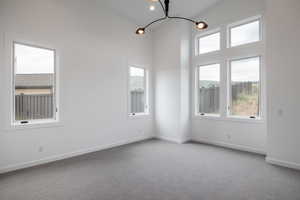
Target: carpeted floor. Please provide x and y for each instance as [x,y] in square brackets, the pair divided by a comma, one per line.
[155,170]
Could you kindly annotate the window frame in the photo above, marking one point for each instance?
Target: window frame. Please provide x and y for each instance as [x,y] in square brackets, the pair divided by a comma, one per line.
[36,122]
[241,23]
[229,90]
[146,83]
[256,49]
[205,34]
[197,84]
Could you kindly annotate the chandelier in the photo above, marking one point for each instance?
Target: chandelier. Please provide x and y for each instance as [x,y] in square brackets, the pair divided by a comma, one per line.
[200,25]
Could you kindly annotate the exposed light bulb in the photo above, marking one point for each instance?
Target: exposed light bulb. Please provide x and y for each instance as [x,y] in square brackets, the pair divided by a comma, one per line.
[152,7]
[201,25]
[140,31]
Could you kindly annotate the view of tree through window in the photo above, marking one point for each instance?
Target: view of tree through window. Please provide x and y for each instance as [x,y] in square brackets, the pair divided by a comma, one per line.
[209,89]
[245,87]
[137,90]
[34,83]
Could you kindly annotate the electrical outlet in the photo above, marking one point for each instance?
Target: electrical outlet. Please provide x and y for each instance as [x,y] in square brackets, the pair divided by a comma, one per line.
[41,149]
[228,135]
[280,112]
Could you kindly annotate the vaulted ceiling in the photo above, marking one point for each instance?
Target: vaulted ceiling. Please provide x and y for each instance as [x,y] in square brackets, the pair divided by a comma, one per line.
[138,11]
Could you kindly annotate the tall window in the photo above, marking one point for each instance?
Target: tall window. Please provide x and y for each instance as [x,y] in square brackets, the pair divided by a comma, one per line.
[245,33]
[138,91]
[34,84]
[231,89]
[209,43]
[209,89]
[245,87]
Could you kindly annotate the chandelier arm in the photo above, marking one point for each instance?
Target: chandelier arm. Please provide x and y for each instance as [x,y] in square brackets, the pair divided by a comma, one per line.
[199,25]
[155,22]
[162,6]
[183,18]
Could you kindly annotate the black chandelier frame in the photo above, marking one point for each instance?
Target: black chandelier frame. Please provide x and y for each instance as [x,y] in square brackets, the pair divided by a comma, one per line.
[165,9]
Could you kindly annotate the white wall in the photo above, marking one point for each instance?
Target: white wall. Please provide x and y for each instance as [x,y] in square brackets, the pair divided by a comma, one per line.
[171,62]
[236,134]
[283,50]
[94,48]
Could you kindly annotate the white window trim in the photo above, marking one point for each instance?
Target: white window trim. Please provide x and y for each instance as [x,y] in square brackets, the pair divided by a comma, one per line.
[249,50]
[230,119]
[204,34]
[197,103]
[147,102]
[241,23]
[40,123]
[229,90]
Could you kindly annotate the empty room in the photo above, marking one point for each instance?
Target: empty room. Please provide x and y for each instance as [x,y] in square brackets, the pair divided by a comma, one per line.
[149,100]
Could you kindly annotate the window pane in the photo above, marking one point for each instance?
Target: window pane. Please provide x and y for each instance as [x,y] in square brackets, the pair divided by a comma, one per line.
[137,90]
[245,87]
[245,34]
[34,83]
[209,43]
[209,89]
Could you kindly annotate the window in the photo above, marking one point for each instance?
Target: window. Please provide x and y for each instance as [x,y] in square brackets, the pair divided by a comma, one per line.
[138,91]
[34,84]
[229,88]
[245,34]
[209,43]
[209,89]
[245,87]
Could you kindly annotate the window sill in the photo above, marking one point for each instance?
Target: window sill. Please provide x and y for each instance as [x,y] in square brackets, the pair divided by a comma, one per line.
[208,116]
[36,125]
[139,116]
[230,119]
[246,119]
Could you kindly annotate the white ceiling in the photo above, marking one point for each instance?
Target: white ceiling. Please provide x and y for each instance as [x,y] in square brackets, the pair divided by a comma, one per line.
[138,11]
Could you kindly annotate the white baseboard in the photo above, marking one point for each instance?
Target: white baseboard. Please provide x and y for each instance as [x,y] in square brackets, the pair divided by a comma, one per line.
[231,146]
[174,140]
[70,155]
[282,163]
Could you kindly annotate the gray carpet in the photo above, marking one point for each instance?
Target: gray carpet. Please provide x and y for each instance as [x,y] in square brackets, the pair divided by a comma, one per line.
[155,170]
